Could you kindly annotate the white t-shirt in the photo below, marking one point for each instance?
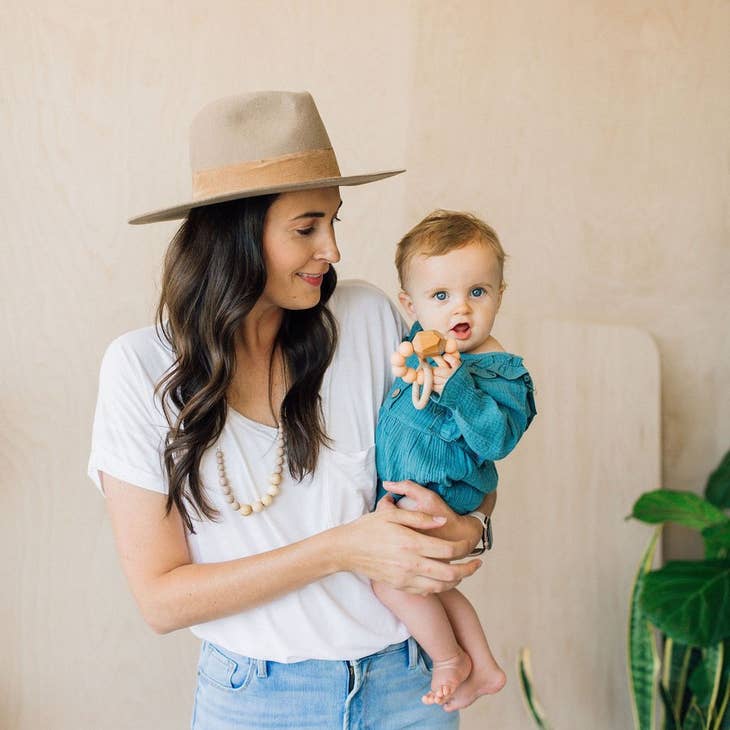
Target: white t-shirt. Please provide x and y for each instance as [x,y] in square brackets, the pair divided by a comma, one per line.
[337,617]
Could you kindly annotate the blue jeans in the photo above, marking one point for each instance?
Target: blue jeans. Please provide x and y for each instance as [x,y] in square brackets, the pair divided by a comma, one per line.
[378,692]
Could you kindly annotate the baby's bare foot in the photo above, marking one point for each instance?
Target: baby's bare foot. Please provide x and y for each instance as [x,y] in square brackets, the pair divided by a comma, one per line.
[484,680]
[447,675]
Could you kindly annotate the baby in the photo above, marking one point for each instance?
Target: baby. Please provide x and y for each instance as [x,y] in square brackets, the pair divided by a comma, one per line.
[450,268]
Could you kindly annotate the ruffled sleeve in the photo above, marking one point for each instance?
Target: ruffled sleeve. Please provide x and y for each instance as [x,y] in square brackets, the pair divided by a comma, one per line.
[490,401]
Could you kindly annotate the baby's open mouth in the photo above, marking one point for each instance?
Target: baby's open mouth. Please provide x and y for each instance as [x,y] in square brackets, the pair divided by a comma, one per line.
[461,331]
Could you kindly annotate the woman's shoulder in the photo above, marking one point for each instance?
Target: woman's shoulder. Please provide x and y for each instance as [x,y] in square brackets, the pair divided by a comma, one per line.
[144,350]
[356,292]
[354,298]
[366,317]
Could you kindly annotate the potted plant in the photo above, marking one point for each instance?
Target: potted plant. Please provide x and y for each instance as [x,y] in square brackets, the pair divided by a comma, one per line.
[682,608]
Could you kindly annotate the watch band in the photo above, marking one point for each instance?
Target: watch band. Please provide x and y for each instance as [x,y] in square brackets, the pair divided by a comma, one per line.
[487,536]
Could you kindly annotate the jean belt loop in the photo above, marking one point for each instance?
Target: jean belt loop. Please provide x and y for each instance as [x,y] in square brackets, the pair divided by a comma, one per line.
[412,653]
[261,668]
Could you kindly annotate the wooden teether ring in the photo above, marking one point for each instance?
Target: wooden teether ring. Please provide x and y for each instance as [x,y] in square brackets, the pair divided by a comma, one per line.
[425,344]
[421,399]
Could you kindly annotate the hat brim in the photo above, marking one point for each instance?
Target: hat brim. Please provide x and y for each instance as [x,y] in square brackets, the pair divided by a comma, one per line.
[180,211]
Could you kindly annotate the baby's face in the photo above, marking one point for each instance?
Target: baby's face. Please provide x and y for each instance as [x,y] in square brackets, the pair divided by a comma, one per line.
[457,294]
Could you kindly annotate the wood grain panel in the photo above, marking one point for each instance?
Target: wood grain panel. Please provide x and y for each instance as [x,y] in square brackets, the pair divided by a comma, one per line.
[559,576]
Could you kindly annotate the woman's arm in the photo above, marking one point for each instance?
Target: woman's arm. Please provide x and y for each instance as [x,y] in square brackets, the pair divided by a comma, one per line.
[172,592]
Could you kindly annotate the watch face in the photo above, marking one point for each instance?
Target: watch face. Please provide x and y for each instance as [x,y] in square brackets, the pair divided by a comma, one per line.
[488,537]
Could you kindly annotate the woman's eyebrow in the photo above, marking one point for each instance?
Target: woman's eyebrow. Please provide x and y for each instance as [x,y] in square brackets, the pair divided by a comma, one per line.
[309,214]
[314,213]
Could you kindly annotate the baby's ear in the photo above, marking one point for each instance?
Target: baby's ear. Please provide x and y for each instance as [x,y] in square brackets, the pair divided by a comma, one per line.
[502,287]
[406,303]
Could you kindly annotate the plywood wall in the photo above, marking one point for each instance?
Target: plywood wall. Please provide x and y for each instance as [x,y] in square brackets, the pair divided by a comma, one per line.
[592,135]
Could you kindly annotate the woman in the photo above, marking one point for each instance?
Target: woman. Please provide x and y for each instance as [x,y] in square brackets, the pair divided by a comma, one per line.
[234,444]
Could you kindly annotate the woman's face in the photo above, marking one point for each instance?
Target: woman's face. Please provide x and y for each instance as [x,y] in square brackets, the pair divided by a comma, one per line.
[299,246]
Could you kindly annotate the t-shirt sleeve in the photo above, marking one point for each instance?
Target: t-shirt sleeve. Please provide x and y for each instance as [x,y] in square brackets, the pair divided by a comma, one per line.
[129,428]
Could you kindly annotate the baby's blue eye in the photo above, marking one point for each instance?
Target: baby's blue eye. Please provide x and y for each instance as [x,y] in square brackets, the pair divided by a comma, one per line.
[440,295]
[478,291]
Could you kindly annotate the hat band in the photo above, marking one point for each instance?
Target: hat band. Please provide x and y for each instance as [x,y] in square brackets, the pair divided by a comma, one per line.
[298,167]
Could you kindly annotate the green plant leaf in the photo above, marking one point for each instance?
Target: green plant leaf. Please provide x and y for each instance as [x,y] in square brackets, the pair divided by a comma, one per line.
[689,600]
[722,721]
[675,668]
[532,704]
[717,539]
[722,709]
[669,720]
[695,720]
[684,508]
[642,653]
[717,490]
[705,679]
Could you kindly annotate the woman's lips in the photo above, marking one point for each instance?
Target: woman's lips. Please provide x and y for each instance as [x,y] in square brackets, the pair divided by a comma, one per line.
[312,279]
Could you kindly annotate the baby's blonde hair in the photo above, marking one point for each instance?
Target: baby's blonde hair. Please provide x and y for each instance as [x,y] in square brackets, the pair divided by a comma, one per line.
[443,231]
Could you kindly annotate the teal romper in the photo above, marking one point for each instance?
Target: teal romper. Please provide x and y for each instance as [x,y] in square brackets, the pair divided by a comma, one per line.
[451,445]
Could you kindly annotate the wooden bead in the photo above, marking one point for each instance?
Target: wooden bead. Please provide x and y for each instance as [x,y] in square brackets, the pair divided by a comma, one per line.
[399,372]
[429,342]
[410,375]
[273,488]
[405,349]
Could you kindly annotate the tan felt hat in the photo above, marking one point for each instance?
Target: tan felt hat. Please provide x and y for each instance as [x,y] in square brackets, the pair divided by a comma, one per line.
[256,144]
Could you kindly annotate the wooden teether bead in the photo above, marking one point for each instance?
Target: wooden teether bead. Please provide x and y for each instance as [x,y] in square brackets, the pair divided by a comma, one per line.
[428,343]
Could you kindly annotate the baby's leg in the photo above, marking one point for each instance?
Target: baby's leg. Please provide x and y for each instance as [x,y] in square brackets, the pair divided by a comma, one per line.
[486,676]
[429,625]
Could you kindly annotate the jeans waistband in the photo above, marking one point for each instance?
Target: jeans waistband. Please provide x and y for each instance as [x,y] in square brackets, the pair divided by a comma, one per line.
[408,645]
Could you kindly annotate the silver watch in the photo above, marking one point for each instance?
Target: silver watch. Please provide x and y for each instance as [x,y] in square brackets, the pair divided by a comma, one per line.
[487,538]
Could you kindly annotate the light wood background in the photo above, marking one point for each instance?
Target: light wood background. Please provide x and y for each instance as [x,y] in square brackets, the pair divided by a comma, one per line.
[592,135]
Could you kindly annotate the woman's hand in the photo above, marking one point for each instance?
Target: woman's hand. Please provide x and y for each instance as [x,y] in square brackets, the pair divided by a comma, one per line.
[462,528]
[391,545]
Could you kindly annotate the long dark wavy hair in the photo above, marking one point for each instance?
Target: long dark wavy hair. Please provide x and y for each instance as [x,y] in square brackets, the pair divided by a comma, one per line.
[213,275]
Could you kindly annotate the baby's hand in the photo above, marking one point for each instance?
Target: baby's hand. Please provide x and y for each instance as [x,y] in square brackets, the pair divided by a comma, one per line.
[447,365]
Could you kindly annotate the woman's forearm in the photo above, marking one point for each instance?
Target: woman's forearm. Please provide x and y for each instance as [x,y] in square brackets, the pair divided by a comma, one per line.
[197,592]
[173,592]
